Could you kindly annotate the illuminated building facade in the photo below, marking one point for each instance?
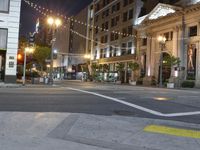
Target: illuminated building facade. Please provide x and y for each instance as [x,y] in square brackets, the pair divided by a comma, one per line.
[180,26]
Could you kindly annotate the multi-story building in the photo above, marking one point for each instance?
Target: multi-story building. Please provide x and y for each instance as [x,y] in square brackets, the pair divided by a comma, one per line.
[179,25]
[9,34]
[43,32]
[112,32]
[61,48]
[71,45]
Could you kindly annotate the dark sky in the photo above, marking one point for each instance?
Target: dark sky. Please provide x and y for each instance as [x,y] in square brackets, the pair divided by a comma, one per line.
[65,7]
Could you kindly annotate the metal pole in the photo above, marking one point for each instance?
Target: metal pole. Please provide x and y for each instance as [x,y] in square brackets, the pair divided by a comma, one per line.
[51,64]
[24,72]
[161,66]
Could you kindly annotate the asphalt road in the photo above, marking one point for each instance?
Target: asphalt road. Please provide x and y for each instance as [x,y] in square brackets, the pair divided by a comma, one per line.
[64,99]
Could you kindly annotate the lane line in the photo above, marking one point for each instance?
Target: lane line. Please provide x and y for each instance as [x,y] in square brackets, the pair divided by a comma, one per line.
[137,106]
[173,131]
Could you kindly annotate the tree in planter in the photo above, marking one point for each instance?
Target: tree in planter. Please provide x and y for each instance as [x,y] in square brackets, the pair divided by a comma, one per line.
[134,67]
[120,68]
[40,55]
[106,69]
[172,61]
[95,70]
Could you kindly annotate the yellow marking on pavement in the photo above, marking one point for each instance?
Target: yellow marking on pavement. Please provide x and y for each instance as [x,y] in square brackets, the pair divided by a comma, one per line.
[173,131]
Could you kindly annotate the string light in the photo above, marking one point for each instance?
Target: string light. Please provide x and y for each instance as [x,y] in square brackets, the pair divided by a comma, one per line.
[44,10]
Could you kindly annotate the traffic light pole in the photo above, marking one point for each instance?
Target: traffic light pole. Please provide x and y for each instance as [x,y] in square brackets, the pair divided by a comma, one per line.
[24,70]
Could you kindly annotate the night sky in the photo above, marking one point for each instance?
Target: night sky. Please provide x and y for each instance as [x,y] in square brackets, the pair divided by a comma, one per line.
[65,7]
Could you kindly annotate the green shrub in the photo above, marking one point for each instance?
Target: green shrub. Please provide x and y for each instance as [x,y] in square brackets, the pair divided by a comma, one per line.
[188,84]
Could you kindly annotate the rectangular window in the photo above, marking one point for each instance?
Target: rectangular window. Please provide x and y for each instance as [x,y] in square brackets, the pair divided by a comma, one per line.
[115,52]
[130,14]
[106,25]
[101,53]
[125,3]
[107,12]
[113,8]
[118,6]
[3,39]
[106,39]
[123,49]
[124,31]
[168,36]
[102,39]
[102,26]
[129,47]
[130,30]
[4,5]
[125,17]
[113,22]
[96,18]
[130,1]
[144,42]
[193,31]
[112,37]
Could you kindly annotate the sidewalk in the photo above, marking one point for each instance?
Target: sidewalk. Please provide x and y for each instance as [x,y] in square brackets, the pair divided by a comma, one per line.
[65,131]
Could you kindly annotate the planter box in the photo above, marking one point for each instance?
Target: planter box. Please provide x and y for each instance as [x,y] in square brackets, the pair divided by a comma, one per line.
[170,85]
[133,83]
[118,82]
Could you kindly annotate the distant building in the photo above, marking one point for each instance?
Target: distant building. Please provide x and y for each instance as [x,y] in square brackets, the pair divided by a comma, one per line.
[71,46]
[43,33]
[9,35]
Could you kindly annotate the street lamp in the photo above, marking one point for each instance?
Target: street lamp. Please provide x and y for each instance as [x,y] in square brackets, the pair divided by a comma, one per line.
[161,40]
[26,50]
[87,56]
[53,23]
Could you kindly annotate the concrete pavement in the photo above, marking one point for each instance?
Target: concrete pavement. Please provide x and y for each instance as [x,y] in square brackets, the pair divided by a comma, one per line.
[61,131]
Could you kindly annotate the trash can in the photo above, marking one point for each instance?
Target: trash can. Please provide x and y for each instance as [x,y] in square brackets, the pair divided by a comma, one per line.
[46,80]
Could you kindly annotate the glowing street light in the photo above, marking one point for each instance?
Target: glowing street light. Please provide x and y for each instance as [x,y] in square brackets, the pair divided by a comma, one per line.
[26,50]
[87,56]
[54,23]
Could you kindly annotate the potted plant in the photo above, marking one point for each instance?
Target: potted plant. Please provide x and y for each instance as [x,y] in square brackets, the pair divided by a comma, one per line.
[120,68]
[106,71]
[172,62]
[94,71]
[134,68]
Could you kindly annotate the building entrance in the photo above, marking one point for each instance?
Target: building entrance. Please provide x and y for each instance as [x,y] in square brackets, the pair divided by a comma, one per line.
[2,65]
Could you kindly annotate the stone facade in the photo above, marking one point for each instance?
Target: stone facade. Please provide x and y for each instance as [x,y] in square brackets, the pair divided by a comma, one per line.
[179,24]
[9,34]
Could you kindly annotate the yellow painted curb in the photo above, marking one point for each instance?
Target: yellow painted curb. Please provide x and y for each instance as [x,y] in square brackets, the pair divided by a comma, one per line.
[173,131]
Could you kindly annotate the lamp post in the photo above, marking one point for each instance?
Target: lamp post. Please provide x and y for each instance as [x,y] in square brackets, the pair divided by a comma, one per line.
[27,50]
[161,40]
[54,24]
[87,58]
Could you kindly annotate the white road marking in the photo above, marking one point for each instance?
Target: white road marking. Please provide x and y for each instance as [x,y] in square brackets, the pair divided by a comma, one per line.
[137,106]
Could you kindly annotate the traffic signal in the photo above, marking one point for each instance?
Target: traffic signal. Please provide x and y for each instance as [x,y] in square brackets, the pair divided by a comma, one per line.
[31,39]
[19,56]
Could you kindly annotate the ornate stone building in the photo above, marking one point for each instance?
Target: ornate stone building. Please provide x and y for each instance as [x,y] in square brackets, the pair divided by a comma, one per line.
[179,25]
